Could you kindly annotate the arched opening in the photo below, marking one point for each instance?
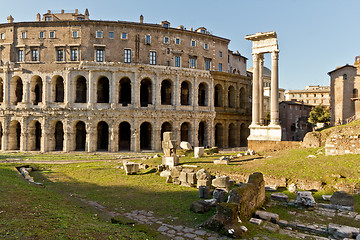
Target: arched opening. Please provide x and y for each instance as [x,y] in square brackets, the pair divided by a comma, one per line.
[103,90]
[14,135]
[244,133]
[34,136]
[166,92]
[1,90]
[16,90]
[355,93]
[145,136]
[219,141]
[242,98]
[218,101]
[102,136]
[202,95]
[125,91]
[232,135]
[80,94]
[80,136]
[145,92]
[165,127]
[58,89]
[124,136]
[185,93]
[36,90]
[59,136]
[201,134]
[185,132]
[231,97]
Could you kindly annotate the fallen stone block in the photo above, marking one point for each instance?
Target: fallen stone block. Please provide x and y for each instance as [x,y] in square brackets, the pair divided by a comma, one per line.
[305,198]
[255,221]
[267,216]
[204,192]
[272,227]
[221,182]
[222,162]
[198,152]
[219,195]
[185,145]
[199,206]
[271,188]
[293,188]
[131,168]
[341,231]
[342,198]
[165,173]
[326,197]
[212,202]
[279,197]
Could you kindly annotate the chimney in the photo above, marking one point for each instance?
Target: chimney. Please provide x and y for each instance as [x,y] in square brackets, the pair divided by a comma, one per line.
[38,17]
[76,11]
[49,11]
[62,11]
[141,18]
[87,14]
[10,19]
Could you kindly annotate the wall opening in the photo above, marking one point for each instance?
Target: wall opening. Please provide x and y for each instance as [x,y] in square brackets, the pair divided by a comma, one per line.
[232,135]
[219,141]
[165,127]
[80,94]
[103,90]
[125,91]
[218,101]
[185,132]
[201,134]
[202,95]
[244,133]
[36,87]
[166,92]
[16,90]
[145,136]
[80,136]
[231,97]
[145,92]
[14,135]
[102,136]
[185,93]
[59,136]
[243,101]
[124,136]
[59,89]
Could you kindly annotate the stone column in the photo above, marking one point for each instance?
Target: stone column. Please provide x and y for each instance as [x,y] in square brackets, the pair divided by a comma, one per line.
[90,139]
[45,93]
[255,90]
[67,89]
[135,91]
[67,137]
[6,98]
[261,89]
[24,135]
[114,131]
[91,90]
[274,88]
[44,146]
[6,132]
[26,93]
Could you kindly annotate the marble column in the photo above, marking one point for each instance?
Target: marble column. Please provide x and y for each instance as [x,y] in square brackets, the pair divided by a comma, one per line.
[67,89]
[261,89]
[255,90]
[274,88]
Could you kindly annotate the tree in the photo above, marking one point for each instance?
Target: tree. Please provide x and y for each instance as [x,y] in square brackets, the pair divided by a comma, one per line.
[319,114]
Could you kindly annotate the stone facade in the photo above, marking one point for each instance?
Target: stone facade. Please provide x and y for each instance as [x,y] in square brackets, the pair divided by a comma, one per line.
[312,95]
[69,83]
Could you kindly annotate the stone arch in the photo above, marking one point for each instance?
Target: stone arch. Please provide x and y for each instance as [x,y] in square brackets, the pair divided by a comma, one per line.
[102,136]
[185,93]
[80,136]
[124,136]
[219,135]
[81,88]
[232,135]
[218,96]
[145,92]
[36,90]
[34,137]
[103,90]
[16,87]
[125,91]
[57,89]
[202,134]
[14,135]
[244,133]
[185,132]
[231,97]
[166,92]
[1,90]
[145,136]
[203,94]
[59,136]
[165,127]
[242,98]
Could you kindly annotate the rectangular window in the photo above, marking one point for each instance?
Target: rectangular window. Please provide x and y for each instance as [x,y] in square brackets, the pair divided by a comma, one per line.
[52,34]
[74,54]
[193,43]
[153,58]
[207,64]
[42,35]
[20,55]
[166,40]
[111,35]
[220,67]
[2,35]
[220,54]
[127,55]
[206,46]
[99,55]
[23,35]
[48,18]
[75,34]
[99,34]
[123,35]
[147,39]
[167,63]
[193,62]
[177,61]
[177,40]
[60,55]
[34,55]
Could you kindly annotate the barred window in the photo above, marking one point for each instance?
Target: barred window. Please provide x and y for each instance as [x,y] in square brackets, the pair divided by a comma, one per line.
[153,58]
[177,61]
[127,55]
[74,54]
[34,55]
[60,55]
[99,55]
[20,55]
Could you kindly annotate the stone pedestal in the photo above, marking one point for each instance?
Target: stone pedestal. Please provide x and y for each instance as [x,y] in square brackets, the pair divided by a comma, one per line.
[170,161]
[265,133]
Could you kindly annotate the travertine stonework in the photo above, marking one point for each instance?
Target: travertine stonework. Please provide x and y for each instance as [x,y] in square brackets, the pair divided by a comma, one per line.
[69,83]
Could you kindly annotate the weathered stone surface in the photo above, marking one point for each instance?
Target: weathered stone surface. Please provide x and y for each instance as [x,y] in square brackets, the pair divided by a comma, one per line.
[198,152]
[267,216]
[271,188]
[191,178]
[342,199]
[204,192]
[255,221]
[202,174]
[185,145]
[326,197]
[293,188]
[165,173]
[305,198]
[175,171]
[131,167]
[341,231]
[212,202]
[169,179]
[221,182]
[219,195]
[272,227]
[312,139]
[199,206]
[279,197]
[222,162]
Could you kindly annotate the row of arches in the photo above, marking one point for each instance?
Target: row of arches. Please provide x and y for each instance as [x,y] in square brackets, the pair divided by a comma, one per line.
[79,134]
[124,92]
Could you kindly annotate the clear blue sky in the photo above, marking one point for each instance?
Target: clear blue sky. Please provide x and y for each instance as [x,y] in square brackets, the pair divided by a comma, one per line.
[315,36]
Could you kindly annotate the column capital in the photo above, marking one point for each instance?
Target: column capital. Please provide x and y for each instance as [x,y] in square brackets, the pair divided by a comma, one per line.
[255,57]
[275,55]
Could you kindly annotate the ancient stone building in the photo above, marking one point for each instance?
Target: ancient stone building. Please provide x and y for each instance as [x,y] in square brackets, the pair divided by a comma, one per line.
[70,83]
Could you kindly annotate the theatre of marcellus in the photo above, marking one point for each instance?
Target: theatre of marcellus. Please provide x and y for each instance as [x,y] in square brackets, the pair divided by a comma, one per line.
[70,83]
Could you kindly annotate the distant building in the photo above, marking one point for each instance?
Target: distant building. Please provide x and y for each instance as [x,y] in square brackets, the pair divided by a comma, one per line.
[312,95]
[294,120]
